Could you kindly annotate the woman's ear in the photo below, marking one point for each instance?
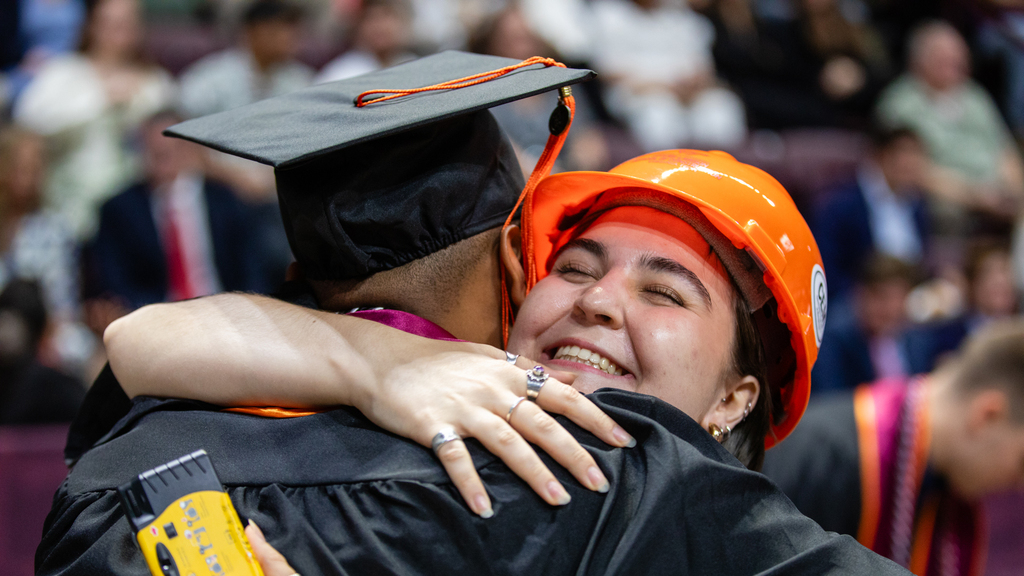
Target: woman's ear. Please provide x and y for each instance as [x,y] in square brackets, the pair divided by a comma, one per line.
[987,407]
[740,398]
[511,249]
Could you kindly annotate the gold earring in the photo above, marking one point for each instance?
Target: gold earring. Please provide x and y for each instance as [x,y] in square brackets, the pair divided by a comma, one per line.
[719,434]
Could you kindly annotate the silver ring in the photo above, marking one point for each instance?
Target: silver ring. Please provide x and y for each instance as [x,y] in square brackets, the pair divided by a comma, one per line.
[511,358]
[508,417]
[535,380]
[444,436]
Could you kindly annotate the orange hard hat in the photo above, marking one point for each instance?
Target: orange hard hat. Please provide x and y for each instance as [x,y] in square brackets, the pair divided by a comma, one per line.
[747,217]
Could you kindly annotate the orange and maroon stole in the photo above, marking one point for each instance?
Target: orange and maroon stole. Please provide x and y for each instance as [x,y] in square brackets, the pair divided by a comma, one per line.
[924,527]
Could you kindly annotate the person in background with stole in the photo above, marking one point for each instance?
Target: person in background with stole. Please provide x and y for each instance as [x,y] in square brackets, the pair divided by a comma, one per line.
[902,464]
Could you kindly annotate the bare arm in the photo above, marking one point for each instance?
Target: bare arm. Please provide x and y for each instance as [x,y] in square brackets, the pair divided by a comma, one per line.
[239,349]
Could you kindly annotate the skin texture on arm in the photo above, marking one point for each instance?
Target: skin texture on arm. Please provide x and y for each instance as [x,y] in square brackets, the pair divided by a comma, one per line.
[258,350]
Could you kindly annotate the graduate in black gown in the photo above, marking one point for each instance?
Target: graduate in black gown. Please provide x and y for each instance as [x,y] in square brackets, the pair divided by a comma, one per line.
[949,438]
[337,494]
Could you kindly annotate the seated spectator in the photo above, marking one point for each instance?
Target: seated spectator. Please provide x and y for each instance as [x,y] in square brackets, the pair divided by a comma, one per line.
[380,38]
[38,245]
[902,464]
[977,176]
[992,295]
[86,104]
[508,34]
[881,210]
[815,69]
[30,393]
[176,235]
[261,66]
[872,343]
[656,59]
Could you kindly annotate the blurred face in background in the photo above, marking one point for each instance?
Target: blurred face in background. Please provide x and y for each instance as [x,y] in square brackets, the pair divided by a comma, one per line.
[383,30]
[115,30]
[165,158]
[942,59]
[992,290]
[273,41]
[881,306]
[513,37]
[903,163]
[21,170]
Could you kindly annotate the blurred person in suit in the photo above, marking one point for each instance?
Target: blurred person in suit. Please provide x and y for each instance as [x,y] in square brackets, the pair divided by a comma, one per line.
[873,342]
[880,210]
[175,235]
[262,65]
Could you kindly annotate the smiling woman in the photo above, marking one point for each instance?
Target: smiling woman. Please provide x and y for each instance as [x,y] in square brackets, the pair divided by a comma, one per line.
[644,291]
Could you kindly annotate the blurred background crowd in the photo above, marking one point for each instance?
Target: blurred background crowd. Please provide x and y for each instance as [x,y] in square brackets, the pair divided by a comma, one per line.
[895,124]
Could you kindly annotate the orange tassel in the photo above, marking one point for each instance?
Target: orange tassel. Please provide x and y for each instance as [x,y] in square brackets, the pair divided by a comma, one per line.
[455,84]
[540,171]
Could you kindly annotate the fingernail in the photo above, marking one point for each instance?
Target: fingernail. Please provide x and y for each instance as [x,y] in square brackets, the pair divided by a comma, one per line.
[558,494]
[623,437]
[597,479]
[483,506]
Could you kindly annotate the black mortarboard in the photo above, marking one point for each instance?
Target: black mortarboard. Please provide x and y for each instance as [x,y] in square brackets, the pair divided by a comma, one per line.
[366,189]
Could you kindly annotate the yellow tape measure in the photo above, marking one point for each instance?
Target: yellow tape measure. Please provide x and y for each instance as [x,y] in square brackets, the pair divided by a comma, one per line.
[185,522]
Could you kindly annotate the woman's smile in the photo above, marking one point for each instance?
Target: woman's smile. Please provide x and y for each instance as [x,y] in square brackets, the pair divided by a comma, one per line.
[638,302]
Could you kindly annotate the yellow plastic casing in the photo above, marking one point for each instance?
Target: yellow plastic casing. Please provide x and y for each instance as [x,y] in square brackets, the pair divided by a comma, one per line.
[208,538]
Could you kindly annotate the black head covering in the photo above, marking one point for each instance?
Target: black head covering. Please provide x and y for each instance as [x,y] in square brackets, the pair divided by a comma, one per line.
[368,189]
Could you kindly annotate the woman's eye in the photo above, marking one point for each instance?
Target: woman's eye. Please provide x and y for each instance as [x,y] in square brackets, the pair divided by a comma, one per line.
[574,270]
[664,294]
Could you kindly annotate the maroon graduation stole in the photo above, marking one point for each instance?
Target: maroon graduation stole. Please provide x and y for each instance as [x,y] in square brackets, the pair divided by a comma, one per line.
[935,533]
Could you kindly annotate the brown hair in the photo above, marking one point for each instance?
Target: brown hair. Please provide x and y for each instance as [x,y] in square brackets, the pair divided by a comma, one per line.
[746,442]
[992,358]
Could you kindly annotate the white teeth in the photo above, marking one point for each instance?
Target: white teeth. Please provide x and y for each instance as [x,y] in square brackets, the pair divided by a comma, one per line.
[588,358]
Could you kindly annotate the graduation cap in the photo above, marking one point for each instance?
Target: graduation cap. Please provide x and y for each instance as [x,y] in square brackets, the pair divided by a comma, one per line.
[381,169]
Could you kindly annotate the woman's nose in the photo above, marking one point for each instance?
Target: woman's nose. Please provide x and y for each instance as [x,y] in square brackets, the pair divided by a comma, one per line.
[600,304]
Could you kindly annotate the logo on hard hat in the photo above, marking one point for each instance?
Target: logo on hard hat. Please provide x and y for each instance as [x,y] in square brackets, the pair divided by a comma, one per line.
[819,302]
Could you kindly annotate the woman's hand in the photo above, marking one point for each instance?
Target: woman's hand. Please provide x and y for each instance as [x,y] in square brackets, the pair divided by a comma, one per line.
[472,392]
[272,562]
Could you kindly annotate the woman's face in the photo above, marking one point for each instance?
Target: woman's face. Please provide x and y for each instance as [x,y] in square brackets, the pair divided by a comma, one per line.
[116,29]
[642,290]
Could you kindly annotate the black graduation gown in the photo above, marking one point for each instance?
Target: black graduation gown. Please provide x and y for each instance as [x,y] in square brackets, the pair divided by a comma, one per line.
[337,495]
[818,465]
